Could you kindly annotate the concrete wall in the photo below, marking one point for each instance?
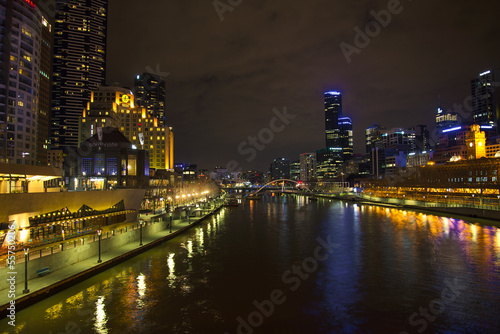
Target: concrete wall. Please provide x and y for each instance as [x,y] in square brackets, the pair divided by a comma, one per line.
[81,252]
[12,204]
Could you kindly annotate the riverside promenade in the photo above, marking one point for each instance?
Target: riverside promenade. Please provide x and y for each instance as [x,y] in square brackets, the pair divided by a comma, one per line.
[58,280]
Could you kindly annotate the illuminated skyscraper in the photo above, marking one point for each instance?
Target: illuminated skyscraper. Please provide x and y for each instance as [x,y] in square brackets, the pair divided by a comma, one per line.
[116,107]
[149,92]
[485,99]
[20,38]
[79,64]
[345,138]
[333,110]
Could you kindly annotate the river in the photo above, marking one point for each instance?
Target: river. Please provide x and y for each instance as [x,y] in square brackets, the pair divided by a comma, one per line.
[286,264]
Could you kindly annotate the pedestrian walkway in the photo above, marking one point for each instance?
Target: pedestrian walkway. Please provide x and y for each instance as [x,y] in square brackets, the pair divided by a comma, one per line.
[54,280]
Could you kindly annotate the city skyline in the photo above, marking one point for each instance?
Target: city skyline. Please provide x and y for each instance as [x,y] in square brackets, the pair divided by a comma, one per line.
[229,75]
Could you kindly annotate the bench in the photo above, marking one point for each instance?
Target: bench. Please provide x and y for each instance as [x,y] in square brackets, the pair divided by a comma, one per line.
[43,271]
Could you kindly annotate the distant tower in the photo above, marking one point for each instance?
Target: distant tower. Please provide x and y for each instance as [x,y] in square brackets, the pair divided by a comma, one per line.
[333,110]
[79,67]
[485,101]
[476,143]
[149,91]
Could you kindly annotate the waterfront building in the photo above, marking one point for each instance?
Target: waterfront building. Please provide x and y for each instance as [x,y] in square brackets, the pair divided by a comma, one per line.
[307,167]
[115,107]
[485,100]
[79,64]
[149,92]
[493,149]
[280,169]
[108,160]
[20,58]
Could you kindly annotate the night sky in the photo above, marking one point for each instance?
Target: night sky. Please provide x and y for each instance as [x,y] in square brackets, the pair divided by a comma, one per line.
[226,77]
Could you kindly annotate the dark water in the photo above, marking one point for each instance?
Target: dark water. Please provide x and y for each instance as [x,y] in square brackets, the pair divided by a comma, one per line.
[288,265]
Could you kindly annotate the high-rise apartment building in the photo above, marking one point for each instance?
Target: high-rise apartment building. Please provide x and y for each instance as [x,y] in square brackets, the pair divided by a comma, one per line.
[20,57]
[79,64]
[485,99]
[115,107]
[149,92]
[45,88]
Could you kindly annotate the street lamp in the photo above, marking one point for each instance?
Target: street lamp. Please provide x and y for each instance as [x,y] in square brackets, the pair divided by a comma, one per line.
[171,222]
[140,223]
[473,200]
[26,290]
[99,232]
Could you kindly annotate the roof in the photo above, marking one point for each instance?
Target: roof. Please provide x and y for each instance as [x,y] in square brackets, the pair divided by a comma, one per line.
[111,137]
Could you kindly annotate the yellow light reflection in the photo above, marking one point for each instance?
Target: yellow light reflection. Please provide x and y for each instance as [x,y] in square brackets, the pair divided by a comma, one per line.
[141,285]
[171,269]
[100,316]
[54,312]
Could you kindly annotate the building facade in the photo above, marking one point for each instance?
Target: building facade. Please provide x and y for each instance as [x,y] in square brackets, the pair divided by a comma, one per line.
[115,107]
[307,167]
[280,169]
[149,92]
[79,64]
[20,58]
[485,99]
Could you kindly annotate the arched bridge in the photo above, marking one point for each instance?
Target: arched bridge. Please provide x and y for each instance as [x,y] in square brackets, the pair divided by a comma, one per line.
[283,189]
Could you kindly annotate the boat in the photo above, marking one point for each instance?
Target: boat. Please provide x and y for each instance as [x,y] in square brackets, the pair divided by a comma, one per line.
[253,197]
[231,202]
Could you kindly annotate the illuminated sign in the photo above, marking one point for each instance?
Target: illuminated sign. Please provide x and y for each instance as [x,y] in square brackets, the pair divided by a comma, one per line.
[29,2]
[125,99]
[333,93]
[452,129]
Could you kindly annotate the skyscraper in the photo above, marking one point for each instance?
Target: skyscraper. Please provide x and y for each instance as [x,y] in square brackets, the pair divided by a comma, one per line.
[280,169]
[79,64]
[373,137]
[20,36]
[333,110]
[485,99]
[115,107]
[149,92]
[307,167]
[445,119]
[45,96]
[345,138]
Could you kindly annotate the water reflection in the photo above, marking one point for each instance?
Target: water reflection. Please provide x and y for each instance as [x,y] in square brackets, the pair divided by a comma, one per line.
[390,262]
[100,316]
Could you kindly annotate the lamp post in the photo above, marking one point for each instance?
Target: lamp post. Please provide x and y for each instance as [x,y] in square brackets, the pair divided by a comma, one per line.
[171,222]
[26,290]
[99,232]
[473,200]
[140,223]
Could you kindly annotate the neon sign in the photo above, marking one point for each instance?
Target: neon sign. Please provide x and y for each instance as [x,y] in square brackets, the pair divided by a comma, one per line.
[29,2]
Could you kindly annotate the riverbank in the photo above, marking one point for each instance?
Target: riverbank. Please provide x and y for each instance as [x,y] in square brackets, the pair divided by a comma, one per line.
[479,215]
[155,232]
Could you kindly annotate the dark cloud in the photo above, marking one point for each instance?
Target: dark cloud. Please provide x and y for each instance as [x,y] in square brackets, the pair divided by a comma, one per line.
[226,77]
